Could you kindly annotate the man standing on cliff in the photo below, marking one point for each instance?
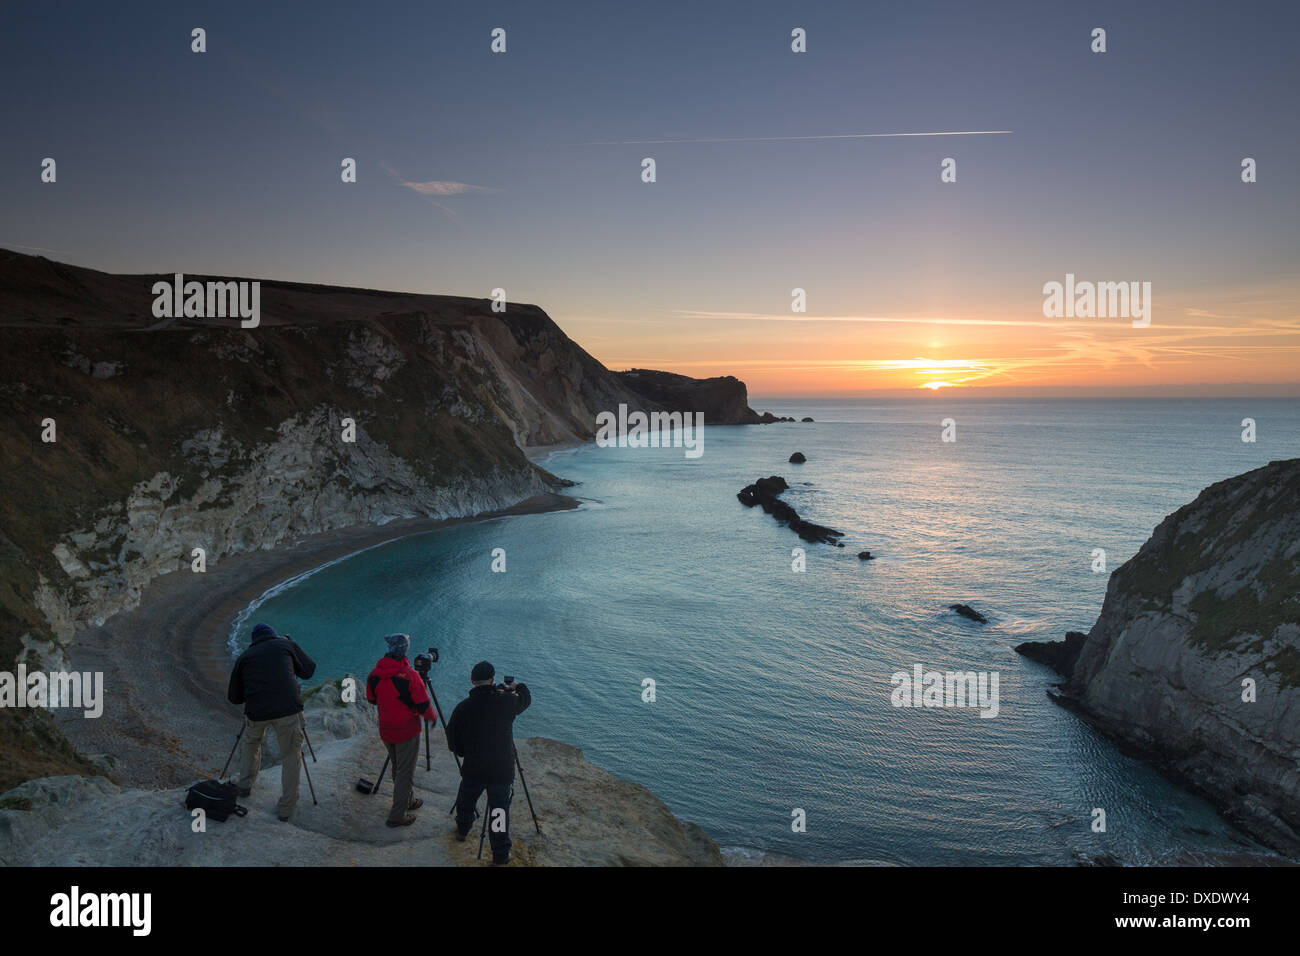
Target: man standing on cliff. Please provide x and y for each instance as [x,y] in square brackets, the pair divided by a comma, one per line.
[481,732]
[265,681]
[398,691]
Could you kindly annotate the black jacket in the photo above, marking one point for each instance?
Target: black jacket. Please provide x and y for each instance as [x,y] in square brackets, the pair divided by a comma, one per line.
[265,678]
[481,732]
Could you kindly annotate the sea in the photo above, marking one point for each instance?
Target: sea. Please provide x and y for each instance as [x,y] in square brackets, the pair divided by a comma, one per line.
[696,646]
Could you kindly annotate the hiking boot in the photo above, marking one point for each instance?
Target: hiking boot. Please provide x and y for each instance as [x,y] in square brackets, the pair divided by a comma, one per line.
[406,821]
[501,862]
[415,804]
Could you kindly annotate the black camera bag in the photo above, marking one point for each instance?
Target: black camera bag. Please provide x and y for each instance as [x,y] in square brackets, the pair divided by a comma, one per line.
[215,799]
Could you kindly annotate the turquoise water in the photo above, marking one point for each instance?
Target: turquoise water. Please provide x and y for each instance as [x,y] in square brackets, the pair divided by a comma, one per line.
[773,687]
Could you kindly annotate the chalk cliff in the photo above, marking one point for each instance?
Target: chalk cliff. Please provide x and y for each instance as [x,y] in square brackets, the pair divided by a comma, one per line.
[194,433]
[344,407]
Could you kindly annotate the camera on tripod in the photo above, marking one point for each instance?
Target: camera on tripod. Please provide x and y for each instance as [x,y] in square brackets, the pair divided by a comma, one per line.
[423,662]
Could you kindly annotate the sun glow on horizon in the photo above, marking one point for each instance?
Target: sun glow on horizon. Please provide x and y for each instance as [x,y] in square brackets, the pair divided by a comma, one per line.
[1233,337]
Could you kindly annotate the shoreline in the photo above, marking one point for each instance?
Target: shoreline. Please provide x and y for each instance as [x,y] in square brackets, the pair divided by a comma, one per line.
[166,720]
[540,454]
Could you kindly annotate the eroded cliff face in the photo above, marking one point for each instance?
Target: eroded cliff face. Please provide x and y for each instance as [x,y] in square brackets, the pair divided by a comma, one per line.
[344,407]
[1195,658]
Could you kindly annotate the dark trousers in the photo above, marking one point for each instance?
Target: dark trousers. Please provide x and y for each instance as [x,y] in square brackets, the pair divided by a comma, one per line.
[498,797]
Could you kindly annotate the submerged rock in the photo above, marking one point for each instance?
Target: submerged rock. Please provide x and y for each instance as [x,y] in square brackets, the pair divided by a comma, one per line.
[966,611]
[866,556]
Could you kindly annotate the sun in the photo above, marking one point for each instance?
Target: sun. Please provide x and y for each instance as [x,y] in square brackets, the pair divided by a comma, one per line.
[935,386]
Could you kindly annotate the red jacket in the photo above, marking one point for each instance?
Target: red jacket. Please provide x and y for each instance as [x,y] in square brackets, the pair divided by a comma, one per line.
[399,692]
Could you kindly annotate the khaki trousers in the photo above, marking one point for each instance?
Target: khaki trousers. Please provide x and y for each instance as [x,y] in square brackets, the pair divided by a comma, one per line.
[403,757]
[288,734]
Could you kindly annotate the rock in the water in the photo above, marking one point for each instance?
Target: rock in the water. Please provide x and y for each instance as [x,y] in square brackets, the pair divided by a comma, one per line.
[797,458]
[1058,655]
[866,556]
[764,492]
[806,419]
[966,611]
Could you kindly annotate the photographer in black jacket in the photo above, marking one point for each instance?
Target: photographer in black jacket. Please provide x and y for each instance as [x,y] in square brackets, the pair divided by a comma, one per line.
[481,732]
[265,681]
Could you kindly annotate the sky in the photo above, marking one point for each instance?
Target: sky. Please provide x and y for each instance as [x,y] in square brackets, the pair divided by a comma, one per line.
[522,170]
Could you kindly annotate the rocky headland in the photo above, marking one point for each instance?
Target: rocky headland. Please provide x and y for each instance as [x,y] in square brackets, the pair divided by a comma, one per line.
[145,458]
[1194,661]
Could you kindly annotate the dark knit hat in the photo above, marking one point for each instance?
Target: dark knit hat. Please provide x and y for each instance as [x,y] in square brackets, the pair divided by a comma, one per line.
[482,671]
[398,644]
[263,630]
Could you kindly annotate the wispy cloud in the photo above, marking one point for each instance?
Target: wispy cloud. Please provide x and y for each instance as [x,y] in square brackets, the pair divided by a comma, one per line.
[433,188]
[780,139]
[1080,348]
[14,245]
[900,319]
[443,187]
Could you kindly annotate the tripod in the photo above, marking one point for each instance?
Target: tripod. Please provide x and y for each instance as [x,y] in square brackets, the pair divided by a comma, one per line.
[438,709]
[239,736]
[303,719]
[487,810]
[525,783]
[428,762]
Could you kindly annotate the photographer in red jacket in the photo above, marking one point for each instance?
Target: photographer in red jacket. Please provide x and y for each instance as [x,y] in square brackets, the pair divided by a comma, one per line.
[398,691]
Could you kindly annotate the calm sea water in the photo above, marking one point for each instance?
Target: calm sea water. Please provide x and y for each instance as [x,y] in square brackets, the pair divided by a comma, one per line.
[773,687]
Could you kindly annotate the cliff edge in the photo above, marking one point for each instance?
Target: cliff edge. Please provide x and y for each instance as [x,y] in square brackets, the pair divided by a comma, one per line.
[129,441]
[588,817]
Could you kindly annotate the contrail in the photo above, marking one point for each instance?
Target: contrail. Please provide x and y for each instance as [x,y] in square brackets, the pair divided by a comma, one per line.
[775,139]
[15,245]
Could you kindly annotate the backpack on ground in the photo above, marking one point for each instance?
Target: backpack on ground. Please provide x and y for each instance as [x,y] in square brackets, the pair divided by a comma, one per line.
[215,799]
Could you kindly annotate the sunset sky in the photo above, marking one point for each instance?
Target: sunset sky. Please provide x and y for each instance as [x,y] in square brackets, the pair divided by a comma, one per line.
[522,170]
